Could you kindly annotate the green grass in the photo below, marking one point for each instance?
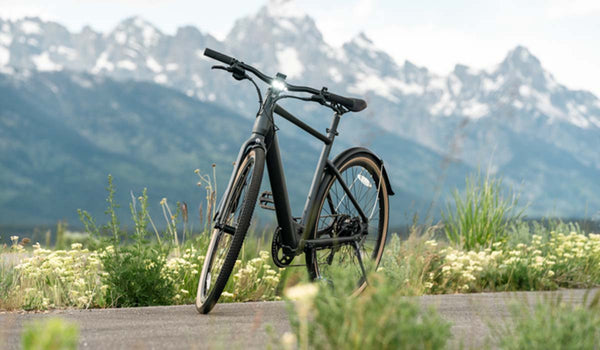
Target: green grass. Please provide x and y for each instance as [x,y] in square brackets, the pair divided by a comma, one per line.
[114,267]
[324,317]
[50,334]
[481,214]
[551,324]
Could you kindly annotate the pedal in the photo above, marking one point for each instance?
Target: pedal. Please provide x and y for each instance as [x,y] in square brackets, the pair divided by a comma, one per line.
[266,200]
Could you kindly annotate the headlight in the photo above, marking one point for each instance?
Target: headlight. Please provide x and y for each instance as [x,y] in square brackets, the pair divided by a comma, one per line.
[278,85]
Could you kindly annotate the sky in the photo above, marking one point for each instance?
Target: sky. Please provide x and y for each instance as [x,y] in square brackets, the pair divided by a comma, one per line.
[564,35]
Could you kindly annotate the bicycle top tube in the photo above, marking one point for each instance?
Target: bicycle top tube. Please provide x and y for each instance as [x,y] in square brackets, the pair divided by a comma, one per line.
[352,104]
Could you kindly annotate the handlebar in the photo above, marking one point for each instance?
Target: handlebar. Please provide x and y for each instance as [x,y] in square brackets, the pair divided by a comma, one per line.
[352,104]
[219,56]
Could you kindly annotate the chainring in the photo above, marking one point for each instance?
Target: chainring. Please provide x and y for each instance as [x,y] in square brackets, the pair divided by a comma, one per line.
[277,250]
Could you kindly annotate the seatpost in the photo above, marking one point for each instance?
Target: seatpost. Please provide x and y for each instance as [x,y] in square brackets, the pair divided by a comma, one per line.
[308,219]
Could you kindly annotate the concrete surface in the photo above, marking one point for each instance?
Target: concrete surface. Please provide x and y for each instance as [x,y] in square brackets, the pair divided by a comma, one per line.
[242,325]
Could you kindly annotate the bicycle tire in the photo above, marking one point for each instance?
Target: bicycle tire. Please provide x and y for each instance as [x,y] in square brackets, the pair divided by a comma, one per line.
[206,300]
[368,162]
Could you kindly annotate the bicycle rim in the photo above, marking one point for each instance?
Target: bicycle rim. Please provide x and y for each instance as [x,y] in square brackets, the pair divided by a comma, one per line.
[364,179]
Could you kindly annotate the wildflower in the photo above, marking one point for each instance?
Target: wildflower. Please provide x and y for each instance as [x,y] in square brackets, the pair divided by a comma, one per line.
[469,277]
[550,273]
[288,340]
[197,171]
[428,285]
[163,201]
[302,292]
[431,243]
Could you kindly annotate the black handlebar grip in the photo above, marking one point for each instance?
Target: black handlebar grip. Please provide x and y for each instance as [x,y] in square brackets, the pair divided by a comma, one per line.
[218,56]
[353,104]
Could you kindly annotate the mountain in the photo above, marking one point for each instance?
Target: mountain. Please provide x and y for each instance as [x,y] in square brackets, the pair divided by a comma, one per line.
[514,119]
[63,132]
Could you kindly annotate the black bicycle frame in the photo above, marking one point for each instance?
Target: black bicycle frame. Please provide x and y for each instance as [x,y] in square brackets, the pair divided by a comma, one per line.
[294,235]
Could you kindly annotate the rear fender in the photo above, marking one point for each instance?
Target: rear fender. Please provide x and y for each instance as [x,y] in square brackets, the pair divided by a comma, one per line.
[342,157]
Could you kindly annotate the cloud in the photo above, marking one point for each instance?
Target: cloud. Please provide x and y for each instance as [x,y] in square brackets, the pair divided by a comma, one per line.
[572,8]
[15,9]
[363,9]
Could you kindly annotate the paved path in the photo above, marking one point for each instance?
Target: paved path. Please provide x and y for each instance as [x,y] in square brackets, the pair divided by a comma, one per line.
[242,326]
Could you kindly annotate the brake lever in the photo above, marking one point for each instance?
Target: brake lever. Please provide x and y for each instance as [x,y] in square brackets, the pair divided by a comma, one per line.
[238,72]
[228,69]
[319,99]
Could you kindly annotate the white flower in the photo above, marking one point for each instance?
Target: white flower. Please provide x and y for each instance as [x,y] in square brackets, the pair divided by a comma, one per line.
[302,292]
[431,243]
[288,340]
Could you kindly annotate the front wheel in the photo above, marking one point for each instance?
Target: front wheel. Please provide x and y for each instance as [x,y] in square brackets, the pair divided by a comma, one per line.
[338,217]
[226,242]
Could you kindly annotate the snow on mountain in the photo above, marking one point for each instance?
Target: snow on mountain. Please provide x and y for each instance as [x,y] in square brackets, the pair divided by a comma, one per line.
[292,44]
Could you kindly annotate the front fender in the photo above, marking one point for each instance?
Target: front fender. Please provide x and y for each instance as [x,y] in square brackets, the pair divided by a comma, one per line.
[252,142]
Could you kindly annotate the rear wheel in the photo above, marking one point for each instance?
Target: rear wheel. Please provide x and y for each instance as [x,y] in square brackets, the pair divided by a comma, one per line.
[339,217]
[225,243]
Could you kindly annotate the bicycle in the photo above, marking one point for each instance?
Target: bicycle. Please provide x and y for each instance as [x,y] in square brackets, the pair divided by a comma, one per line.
[335,230]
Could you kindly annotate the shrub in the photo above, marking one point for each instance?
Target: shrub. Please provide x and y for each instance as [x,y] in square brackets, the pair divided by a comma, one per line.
[411,263]
[481,215]
[59,278]
[50,334]
[134,276]
[421,265]
[254,280]
[551,324]
[324,317]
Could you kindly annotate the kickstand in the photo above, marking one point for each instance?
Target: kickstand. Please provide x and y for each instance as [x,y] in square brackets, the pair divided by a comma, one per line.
[360,262]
